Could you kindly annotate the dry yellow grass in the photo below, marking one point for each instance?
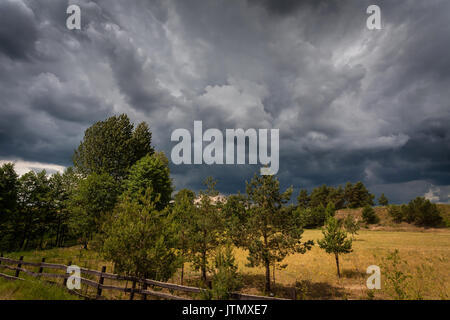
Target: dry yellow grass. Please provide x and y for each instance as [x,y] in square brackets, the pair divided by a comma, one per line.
[313,274]
[315,271]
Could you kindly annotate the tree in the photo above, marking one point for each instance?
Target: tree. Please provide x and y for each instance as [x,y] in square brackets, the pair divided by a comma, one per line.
[319,196]
[396,213]
[183,211]
[382,200]
[34,216]
[357,195]
[420,211]
[351,225]
[235,218]
[91,202]
[205,227]
[140,240]
[112,146]
[303,199]
[8,203]
[152,171]
[424,212]
[369,216]
[272,230]
[335,240]
[62,186]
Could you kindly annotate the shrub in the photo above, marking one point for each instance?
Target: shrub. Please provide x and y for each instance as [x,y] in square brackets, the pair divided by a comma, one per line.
[424,212]
[312,217]
[396,280]
[369,216]
[419,211]
[141,241]
[396,213]
[226,278]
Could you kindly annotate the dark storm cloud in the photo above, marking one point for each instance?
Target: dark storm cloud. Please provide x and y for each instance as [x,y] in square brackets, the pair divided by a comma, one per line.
[351,104]
[18,31]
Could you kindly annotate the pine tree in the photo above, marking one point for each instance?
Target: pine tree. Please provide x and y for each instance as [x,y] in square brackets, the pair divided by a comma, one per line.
[303,199]
[382,200]
[273,230]
[335,240]
[205,228]
[183,212]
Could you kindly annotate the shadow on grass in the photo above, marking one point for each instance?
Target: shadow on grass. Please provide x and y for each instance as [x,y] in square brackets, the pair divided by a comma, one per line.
[303,290]
[307,290]
[352,274]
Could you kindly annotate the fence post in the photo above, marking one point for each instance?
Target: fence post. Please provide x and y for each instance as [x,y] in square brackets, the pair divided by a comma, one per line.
[19,265]
[66,276]
[133,287]
[144,287]
[100,282]
[41,268]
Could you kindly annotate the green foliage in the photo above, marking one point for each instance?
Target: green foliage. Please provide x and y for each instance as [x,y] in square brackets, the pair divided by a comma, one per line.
[303,199]
[314,217]
[357,195]
[112,146]
[235,218]
[396,280]
[183,211]
[226,279]
[335,240]
[140,240]
[205,228]
[35,213]
[383,200]
[272,230]
[8,203]
[424,212]
[152,171]
[353,196]
[396,213]
[351,225]
[90,204]
[420,211]
[369,216]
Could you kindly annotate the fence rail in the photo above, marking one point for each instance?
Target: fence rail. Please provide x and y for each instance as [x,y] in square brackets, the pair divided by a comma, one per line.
[5,263]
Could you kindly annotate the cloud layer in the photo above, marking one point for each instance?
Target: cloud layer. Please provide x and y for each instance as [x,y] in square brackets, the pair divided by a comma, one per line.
[351,104]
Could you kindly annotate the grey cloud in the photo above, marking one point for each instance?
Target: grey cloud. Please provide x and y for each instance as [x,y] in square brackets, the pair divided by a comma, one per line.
[351,104]
[18,31]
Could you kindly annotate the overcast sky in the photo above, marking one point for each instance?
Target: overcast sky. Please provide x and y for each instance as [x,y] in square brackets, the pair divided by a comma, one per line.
[351,104]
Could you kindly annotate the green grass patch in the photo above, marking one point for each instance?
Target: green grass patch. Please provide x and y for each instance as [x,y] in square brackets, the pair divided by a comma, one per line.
[33,290]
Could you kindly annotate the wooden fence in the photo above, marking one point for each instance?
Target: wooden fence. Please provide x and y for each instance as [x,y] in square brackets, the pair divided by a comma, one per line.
[143,291]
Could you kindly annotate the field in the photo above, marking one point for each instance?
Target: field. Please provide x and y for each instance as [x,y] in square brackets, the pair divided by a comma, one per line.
[313,275]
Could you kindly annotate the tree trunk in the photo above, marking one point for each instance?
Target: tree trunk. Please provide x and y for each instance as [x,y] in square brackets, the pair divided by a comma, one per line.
[204,266]
[267,276]
[337,265]
[182,273]
[273,276]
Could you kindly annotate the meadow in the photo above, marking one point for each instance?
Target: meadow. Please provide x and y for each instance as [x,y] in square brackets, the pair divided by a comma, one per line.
[313,275]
